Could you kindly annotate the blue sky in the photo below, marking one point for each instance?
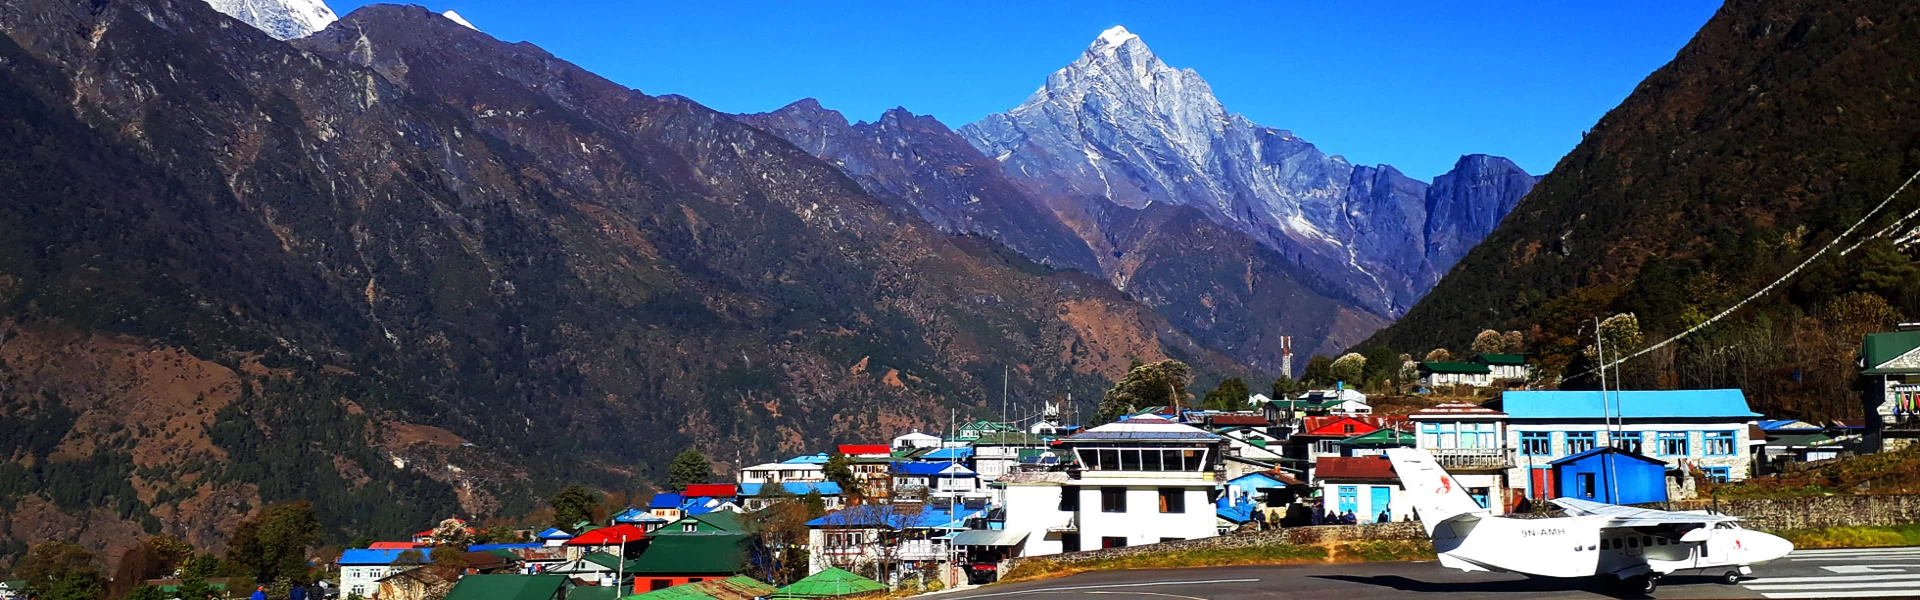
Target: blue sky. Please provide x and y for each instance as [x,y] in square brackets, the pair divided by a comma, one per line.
[1412,84]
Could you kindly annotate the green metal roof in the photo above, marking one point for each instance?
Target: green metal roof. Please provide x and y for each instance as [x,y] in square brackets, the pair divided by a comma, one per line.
[1382,437]
[694,554]
[829,583]
[724,521]
[738,587]
[507,587]
[1878,348]
[1004,438]
[1465,368]
[1501,359]
[607,560]
[598,592]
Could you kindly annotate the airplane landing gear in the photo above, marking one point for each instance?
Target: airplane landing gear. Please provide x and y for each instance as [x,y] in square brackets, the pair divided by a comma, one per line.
[1644,584]
[1731,578]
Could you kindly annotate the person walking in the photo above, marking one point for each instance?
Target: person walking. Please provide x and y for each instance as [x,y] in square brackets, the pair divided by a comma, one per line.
[259,593]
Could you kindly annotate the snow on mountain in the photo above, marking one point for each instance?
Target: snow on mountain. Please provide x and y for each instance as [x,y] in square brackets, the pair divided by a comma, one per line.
[1121,124]
[282,19]
[455,17]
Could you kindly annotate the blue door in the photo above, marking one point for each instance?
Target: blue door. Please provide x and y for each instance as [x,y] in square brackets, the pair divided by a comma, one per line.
[1350,500]
[1379,503]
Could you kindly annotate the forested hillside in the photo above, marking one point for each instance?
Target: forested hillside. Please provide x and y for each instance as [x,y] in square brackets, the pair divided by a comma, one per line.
[1781,124]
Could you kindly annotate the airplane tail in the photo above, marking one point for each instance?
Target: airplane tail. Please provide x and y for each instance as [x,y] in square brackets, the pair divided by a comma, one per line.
[1429,488]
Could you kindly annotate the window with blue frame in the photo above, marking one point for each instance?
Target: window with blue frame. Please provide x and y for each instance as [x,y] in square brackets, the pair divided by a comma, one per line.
[1536,443]
[1628,441]
[1718,474]
[1718,443]
[1581,441]
[1672,443]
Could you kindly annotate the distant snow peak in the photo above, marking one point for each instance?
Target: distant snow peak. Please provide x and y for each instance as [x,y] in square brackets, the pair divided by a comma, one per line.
[282,19]
[1117,35]
[455,17]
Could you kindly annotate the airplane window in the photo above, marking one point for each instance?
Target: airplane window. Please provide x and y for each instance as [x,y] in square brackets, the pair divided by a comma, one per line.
[1633,542]
[1646,540]
[1662,541]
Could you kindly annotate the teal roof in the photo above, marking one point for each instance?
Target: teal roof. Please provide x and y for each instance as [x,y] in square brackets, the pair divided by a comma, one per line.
[507,587]
[712,553]
[830,583]
[1630,404]
[1878,348]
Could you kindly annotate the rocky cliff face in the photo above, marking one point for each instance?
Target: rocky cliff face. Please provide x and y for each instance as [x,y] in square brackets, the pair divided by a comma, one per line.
[1212,282]
[1120,124]
[394,268]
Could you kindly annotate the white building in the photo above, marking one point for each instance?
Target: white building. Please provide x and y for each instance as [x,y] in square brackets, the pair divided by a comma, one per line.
[1141,481]
[1470,442]
[994,454]
[1364,486]
[1439,374]
[1693,429]
[783,472]
[915,439]
[362,570]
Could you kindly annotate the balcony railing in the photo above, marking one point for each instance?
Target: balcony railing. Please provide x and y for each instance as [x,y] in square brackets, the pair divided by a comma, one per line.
[1473,458]
[1902,422]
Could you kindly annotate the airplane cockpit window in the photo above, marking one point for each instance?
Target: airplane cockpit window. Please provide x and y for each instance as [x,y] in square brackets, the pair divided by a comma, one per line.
[1723,526]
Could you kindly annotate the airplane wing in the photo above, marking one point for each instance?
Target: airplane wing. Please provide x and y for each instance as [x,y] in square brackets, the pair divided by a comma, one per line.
[1627,516]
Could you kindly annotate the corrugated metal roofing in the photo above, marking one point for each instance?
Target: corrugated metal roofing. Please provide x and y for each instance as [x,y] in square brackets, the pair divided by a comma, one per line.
[1630,404]
[1359,467]
[1466,368]
[989,537]
[1878,348]
[507,587]
[1145,428]
[829,583]
[711,490]
[797,488]
[1458,409]
[866,449]
[694,555]
[666,501]
[380,557]
[949,454]
[738,587]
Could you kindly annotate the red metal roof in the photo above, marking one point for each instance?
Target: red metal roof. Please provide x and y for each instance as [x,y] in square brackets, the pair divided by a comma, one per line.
[865,449]
[609,535]
[1335,425]
[711,490]
[1358,467]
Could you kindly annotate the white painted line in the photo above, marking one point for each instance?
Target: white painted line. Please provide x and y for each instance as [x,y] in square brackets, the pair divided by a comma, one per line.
[1829,579]
[1840,594]
[1114,585]
[1857,569]
[1853,550]
[1828,586]
[1867,558]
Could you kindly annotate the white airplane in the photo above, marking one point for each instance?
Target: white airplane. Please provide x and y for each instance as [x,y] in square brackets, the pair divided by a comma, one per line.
[1633,546]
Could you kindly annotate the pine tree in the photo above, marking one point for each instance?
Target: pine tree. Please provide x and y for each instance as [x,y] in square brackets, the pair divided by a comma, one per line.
[688,468]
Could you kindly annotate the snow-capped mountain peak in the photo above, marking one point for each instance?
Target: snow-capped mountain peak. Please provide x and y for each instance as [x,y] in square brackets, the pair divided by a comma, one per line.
[282,19]
[1116,36]
[455,17]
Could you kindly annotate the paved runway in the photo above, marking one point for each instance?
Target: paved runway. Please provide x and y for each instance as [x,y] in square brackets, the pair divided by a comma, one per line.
[1864,573]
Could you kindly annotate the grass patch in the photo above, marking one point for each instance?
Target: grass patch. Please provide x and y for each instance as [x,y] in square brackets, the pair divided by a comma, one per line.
[1883,473]
[1853,537]
[1278,554]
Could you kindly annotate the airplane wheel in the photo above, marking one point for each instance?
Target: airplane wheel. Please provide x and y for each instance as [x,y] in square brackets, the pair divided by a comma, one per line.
[1731,578]
[1648,584]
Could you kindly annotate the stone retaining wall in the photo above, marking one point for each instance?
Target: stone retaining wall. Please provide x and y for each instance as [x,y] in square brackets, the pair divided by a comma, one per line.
[1405,531]
[1813,511]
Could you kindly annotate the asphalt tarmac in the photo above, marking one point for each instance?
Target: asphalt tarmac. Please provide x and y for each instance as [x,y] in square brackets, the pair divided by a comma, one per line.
[1862,573]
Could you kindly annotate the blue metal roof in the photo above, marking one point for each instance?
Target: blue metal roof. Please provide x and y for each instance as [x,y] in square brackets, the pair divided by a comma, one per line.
[808,459]
[486,547]
[668,500]
[378,557]
[1630,404]
[949,454]
[1583,456]
[888,515]
[554,533]
[797,488]
[925,469]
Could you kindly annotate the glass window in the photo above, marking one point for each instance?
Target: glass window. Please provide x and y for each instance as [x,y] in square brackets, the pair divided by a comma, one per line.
[1113,500]
[1070,498]
[1718,443]
[1069,542]
[1628,441]
[1581,441]
[1718,474]
[1536,443]
[1173,500]
[1113,542]
[1672,443]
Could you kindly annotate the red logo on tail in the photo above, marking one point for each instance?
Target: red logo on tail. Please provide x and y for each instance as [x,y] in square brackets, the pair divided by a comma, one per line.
[1446,485]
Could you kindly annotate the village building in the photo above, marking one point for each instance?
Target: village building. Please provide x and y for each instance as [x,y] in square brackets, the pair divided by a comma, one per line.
[997,453]
[1703,430]
[757,496]
[665,505]
[830,583]
[923,480]
[865,535]
[782,472]
[973,431]
[1140,481]
[1504,367]
[1470,442]
[1365,488]
[361,570]
[1446,374]
[1320,437]
[722,522]
[594,568]
[1610,475]
[1890,389]
[872,466]
[620,540]
[738,587]
[915,439]
[511,587]
[644,519]
[681,559]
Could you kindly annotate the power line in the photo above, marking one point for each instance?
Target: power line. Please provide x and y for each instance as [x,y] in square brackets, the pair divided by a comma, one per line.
[1783,278]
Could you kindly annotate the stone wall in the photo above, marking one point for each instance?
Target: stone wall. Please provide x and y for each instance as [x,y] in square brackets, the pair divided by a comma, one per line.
[1405,531]
[1813,511]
